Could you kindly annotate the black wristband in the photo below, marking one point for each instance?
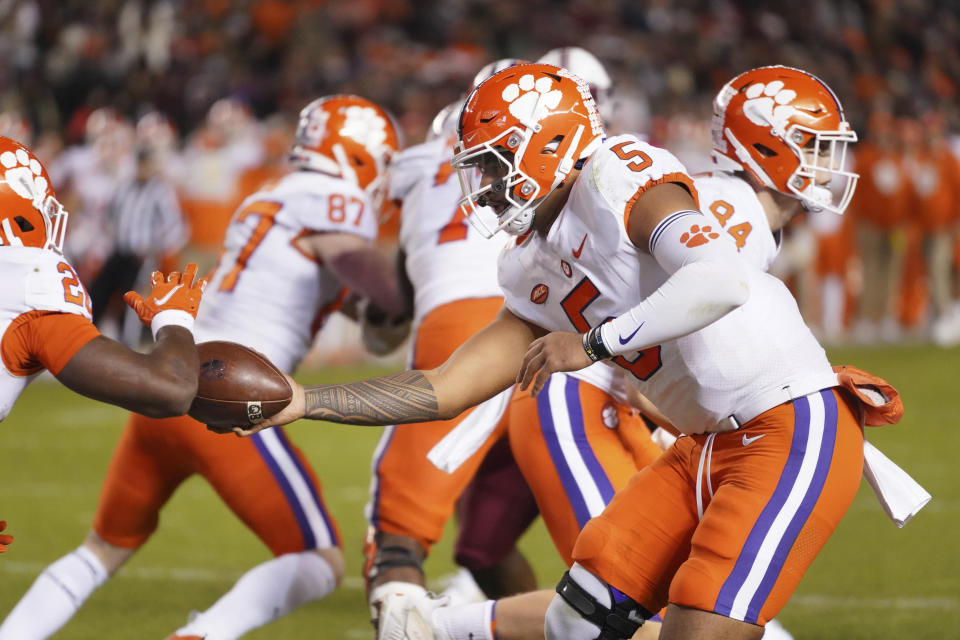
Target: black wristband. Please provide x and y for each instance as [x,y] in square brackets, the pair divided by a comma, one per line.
[593,345]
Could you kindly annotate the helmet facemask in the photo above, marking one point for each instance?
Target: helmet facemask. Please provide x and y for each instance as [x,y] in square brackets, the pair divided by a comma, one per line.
[822,153]
[55,218]
[519,191]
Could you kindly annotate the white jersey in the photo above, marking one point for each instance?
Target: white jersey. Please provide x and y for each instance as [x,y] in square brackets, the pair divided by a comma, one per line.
[33,280]
[586,270]
[267,294]
[734,205]
[446,258]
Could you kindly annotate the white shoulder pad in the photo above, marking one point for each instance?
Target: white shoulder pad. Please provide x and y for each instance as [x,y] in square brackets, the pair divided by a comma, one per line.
[318,202]
[51,284]
[625,166]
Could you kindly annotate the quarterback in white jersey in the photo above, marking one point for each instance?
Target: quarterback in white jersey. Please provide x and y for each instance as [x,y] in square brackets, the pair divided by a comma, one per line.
[450,272]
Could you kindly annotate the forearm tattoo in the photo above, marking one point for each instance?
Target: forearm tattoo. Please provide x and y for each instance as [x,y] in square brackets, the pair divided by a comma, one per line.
[395,399]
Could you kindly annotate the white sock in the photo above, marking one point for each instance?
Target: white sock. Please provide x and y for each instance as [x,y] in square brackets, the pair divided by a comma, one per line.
[263,594]
[472,621]
[55,596]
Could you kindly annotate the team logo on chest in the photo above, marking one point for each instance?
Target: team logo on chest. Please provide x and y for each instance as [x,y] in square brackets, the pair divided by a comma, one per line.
[539,293]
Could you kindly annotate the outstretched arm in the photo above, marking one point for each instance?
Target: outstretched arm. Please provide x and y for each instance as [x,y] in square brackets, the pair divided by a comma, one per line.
[483,366]
[157,384]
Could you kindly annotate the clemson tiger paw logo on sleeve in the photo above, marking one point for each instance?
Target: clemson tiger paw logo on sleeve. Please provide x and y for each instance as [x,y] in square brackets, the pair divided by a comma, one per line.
[769,103]
[23,174]
[698,236]
[530,99]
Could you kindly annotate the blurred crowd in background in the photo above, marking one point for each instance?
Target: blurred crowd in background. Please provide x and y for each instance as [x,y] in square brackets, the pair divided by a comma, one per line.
[179,108]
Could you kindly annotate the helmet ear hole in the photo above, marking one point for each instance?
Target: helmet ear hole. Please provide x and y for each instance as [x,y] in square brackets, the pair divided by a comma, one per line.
[552,146]
[24,224]
[764,150]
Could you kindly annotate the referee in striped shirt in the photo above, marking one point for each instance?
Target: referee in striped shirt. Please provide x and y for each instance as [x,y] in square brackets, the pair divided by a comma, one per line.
[147,226]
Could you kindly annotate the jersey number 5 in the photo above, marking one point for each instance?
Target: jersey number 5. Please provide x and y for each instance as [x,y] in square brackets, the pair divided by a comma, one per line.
[643,366]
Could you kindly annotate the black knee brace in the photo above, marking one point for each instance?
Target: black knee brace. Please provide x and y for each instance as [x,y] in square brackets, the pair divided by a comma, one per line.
[617,623]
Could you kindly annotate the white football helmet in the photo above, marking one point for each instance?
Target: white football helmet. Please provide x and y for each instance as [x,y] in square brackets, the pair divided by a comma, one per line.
[445,122]
[581,62]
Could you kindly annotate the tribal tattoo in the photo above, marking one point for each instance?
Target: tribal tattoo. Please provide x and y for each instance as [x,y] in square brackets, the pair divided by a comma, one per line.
[395,399]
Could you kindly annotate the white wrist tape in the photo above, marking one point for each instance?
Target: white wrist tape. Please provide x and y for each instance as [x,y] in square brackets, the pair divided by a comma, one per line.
[171,317]
[708,280]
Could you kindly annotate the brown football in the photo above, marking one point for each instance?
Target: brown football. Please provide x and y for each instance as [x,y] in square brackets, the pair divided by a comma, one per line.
[237,386]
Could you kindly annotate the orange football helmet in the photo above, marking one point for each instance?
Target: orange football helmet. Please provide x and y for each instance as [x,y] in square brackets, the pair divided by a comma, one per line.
[346,136]
[30,215]
[786,128]
[534,121]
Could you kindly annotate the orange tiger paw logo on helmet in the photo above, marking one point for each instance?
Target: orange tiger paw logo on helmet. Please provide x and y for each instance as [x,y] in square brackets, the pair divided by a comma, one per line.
[698,236]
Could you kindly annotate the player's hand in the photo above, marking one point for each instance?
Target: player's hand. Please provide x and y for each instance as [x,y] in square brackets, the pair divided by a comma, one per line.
[293,411]
[556,351]
[178,292]
[5,538]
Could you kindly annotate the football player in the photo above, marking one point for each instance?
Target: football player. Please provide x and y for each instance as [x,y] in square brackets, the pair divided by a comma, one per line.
[291,249]
[45,315]
[452,273]
[773,453]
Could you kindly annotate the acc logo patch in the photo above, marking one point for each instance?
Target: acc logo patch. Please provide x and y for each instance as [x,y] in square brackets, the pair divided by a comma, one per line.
[538,295]
[565,267]
[254,412]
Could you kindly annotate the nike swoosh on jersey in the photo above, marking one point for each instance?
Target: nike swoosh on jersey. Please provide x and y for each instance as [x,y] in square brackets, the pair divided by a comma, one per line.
[165,299]
[746,441]
[629,337]
[576,252]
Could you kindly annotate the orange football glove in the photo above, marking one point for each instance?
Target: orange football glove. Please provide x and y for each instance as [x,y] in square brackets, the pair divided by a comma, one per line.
[5,538]
[177,293]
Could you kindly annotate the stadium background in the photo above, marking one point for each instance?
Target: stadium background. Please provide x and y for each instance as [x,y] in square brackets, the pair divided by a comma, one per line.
[67,60]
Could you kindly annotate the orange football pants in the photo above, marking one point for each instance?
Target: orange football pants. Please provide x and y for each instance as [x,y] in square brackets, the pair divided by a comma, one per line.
[730,522]
[576,447]
[409,495]
[264,479]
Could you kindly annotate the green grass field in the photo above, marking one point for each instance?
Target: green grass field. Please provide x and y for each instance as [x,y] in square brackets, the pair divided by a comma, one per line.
[872,581]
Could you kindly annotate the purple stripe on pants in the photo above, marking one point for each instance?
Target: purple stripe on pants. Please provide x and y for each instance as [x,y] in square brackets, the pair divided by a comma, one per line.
[549,430]
[803,511]
[321,507]
[309,541]
[788,478]
[597,472]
